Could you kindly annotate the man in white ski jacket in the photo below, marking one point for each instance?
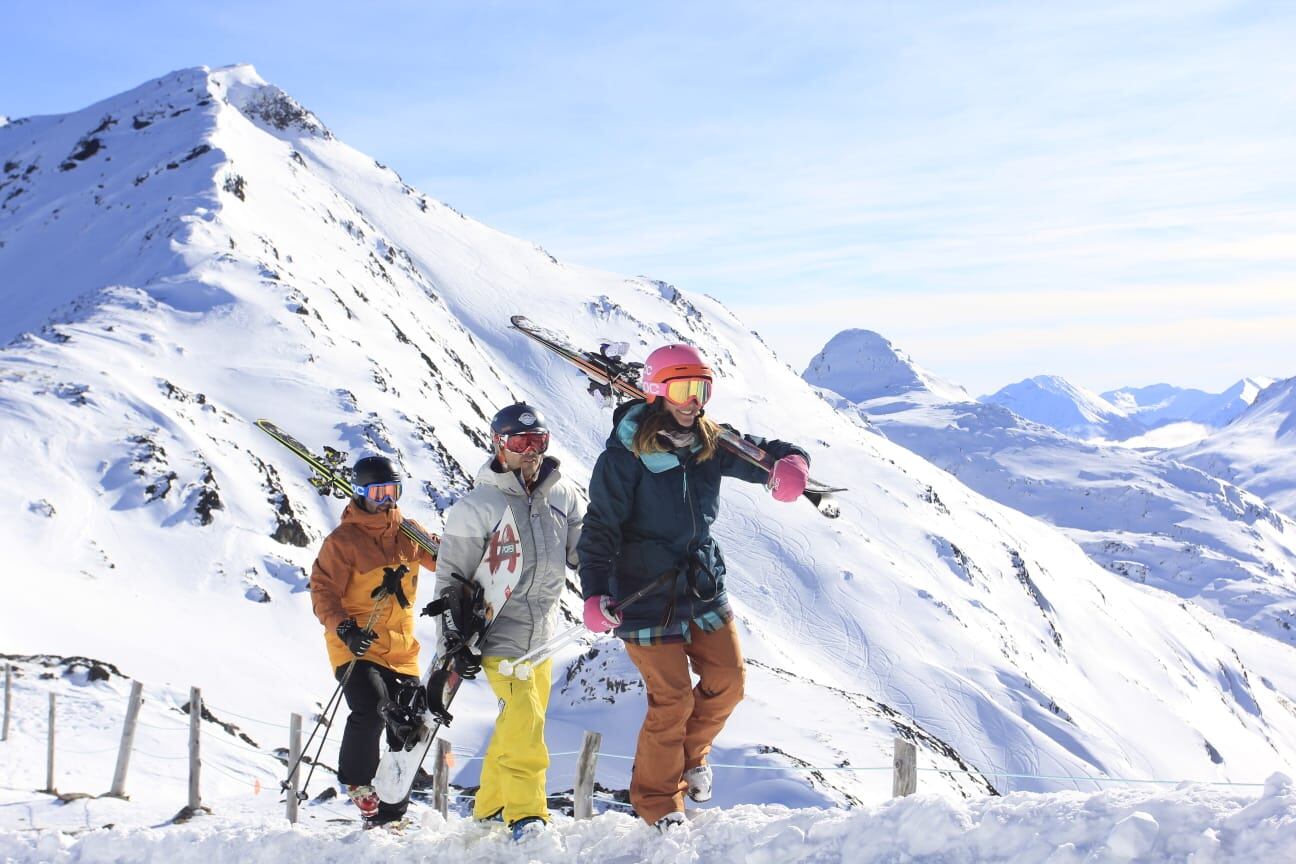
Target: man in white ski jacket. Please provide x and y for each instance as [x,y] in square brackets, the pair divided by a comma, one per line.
[521,513]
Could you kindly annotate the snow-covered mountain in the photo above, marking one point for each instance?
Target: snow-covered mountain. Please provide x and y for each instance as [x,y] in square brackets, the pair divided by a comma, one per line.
[862,365]
[1160,404]
[1069,408]
[1257,451]
[200,251]
[1152,519]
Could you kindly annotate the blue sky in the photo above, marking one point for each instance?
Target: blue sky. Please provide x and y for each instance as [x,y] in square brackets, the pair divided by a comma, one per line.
[1101,190]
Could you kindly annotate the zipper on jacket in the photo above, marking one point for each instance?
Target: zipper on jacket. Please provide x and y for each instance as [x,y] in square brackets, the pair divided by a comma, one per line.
[689,546]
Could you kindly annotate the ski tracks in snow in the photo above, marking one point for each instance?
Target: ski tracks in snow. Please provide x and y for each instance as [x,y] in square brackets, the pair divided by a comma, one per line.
[791,592]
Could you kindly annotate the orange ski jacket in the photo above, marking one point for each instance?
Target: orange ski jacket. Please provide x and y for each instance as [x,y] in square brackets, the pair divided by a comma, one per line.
[351,565]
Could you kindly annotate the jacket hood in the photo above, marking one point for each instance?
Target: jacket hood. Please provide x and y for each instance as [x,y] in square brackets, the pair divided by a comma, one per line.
[372,523]
[631,413]
[625,423]
[509,483]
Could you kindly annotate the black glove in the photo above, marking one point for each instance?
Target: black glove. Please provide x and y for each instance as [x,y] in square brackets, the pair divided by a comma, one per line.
[355,637]
[462,609]
[467,663]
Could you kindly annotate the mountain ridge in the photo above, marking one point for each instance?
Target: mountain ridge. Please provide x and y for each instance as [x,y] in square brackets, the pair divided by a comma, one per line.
[1255,449]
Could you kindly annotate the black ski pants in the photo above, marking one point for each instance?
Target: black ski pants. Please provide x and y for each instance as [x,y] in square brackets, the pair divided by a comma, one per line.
[358,757]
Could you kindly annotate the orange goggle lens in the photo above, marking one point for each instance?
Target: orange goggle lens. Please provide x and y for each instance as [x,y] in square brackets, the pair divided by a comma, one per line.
[380,492]
[681,390]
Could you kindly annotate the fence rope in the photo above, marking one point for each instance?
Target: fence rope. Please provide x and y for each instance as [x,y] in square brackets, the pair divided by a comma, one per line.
[184,758]
[612,801]
[87,752]
[466,755]
[218,710]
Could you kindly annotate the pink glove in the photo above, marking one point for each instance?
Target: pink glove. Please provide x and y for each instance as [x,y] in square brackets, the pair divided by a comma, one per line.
[600,617]
[788,479]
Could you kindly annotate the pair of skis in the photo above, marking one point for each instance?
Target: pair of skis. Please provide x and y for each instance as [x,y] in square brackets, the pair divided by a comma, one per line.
[609,374]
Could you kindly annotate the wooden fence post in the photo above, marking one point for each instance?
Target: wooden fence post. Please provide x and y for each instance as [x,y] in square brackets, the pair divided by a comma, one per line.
[195,764]
[441,778]
[583,792]
[4,736]
[49,756]
[905,780]
[118,789]
[294,759]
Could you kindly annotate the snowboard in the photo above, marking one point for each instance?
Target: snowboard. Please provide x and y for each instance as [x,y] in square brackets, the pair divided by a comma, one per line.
[609,374]
[498,574]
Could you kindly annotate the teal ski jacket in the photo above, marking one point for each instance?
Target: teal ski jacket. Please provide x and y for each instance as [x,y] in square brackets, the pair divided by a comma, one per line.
[651,515]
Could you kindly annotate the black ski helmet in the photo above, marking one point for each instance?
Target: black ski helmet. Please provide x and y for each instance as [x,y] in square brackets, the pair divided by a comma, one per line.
[375,469]
[517,418]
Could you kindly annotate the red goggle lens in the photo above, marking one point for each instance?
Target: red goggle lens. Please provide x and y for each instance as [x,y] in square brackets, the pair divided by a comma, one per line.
[525,442]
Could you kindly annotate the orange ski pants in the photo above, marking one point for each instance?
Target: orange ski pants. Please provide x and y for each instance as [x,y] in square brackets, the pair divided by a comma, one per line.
[682,719]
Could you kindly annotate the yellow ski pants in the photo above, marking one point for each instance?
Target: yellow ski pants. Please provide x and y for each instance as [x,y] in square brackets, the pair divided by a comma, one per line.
[513,771]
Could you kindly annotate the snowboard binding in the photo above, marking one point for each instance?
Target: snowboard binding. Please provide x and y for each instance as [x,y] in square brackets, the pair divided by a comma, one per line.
[440,689]
[463,622]
[403,716]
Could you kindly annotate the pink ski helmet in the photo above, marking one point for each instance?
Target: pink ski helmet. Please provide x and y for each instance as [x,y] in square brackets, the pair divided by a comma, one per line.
[671,363]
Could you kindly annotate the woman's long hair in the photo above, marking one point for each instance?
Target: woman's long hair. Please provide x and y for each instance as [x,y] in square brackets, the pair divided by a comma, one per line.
[657,419]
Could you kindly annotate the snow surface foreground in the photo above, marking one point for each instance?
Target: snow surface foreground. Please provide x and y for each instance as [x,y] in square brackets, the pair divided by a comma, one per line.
[1190,823]
[275,272]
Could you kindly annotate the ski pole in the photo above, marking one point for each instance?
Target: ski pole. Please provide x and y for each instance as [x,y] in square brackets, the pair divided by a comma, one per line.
[335,702]
[521,667]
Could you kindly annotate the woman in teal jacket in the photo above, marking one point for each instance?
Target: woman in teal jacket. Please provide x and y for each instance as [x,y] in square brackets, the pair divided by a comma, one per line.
[654,494]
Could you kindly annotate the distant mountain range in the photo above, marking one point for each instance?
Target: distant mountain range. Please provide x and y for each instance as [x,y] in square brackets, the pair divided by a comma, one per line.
[1159,404]
[1119,415]
[1151,518]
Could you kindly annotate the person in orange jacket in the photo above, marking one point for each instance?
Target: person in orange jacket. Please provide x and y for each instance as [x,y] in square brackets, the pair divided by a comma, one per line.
[363,586]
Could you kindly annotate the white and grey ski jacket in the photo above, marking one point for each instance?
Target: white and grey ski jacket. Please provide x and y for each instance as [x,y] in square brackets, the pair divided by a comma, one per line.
[549,526]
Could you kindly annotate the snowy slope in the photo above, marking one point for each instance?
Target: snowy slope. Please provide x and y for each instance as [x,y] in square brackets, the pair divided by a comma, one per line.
[1154,520]
[274,271]
[1257,450]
